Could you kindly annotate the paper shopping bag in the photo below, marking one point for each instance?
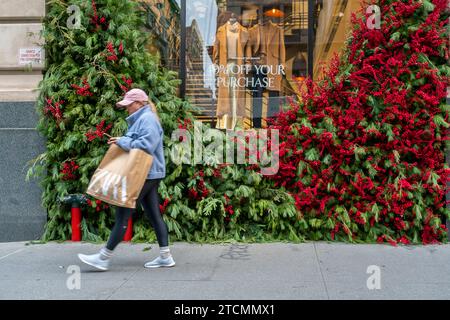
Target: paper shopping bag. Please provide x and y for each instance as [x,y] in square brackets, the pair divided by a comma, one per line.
[120,176]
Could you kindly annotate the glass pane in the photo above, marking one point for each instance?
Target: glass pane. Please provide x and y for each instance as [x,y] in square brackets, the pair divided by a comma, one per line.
[333,20]
[163,25]
[243,58]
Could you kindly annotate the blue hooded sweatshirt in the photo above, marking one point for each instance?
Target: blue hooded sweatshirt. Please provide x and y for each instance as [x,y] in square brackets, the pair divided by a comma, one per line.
[145,133]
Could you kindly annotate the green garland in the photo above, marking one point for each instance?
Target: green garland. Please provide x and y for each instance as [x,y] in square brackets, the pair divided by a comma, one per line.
[88,70]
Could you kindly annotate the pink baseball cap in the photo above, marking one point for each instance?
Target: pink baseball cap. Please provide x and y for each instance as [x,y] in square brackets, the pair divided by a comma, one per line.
[132,96]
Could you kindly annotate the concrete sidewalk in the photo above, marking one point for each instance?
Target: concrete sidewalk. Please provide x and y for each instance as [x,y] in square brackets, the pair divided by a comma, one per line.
[315,270]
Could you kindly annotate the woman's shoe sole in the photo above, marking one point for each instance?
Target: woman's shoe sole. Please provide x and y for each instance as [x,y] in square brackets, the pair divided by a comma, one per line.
[92,265]
[160,266]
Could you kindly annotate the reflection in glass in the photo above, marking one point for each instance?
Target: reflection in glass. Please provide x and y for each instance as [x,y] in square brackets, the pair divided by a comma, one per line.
[243,58]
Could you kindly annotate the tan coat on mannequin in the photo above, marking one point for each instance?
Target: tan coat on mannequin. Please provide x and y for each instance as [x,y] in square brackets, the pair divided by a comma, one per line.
[220,58]
[275,52]
[257,45]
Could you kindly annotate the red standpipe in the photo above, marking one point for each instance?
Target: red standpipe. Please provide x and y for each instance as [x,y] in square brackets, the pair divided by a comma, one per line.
[129,234]
[76,224]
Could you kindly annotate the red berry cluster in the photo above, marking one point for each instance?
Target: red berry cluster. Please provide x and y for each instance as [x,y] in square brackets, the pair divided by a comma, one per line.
[69,170]
[162,207]
[217,173]
[98,22]
[200,191]
[84,90]
[128,82]
[54,108]
[112,56]
[335,230]
[384,238]
[185,124]
[98,204]
[99,131]
[431,234]
[228,208]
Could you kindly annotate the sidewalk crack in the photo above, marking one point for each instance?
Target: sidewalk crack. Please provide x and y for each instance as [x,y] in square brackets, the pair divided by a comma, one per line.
[10,254]
[122,284]
[321,272]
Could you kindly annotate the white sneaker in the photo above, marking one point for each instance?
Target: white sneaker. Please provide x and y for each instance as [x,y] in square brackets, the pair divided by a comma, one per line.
[160,262]
[95,261]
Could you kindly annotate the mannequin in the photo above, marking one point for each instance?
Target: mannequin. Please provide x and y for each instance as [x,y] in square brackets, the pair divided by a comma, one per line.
[233,19]
[268,56]
[229,56]
[275,61]
[258,81]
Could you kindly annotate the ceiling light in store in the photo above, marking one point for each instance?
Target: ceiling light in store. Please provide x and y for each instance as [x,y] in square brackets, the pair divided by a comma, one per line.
[275,13]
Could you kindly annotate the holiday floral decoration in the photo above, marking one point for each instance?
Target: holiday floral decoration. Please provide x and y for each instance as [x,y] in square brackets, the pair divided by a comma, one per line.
[90,68]
[363,151]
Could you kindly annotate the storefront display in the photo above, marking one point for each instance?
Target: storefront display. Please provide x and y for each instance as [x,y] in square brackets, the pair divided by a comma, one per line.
[229,58]
[245,68]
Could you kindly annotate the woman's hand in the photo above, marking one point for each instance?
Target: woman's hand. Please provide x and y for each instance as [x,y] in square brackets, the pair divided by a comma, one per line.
[113,140]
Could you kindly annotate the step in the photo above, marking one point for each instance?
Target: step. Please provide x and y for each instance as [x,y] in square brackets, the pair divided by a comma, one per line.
[198,78]
[204,95]
[201,99]
[207,110]
[197,97]
[196,82]
[198,89]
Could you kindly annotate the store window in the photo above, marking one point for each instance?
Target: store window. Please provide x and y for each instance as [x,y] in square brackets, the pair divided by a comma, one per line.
[332,21]
[163,25]
[244,58]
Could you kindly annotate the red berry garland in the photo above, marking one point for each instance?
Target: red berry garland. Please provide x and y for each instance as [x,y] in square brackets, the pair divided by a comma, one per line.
[162,207]
[98,204]
[98,22]
[112,52]
[185,124]
[228,209]
[121,47]
[99,131]
[54,108]
[84,90]
[69,170]
[200,191]
[128,83]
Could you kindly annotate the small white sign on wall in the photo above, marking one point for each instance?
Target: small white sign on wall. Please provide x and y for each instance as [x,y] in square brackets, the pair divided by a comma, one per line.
[30,56]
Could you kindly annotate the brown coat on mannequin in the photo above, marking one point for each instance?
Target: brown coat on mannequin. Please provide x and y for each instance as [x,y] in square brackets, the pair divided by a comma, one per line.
[220,58]
[275,52]
[256,44]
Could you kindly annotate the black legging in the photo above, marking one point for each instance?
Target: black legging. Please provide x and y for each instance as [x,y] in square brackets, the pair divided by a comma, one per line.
[149,199]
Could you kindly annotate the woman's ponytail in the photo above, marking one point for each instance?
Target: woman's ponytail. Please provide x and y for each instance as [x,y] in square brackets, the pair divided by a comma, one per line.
[153,107]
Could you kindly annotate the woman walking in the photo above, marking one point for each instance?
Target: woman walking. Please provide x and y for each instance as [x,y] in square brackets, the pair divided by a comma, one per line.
[145,133]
